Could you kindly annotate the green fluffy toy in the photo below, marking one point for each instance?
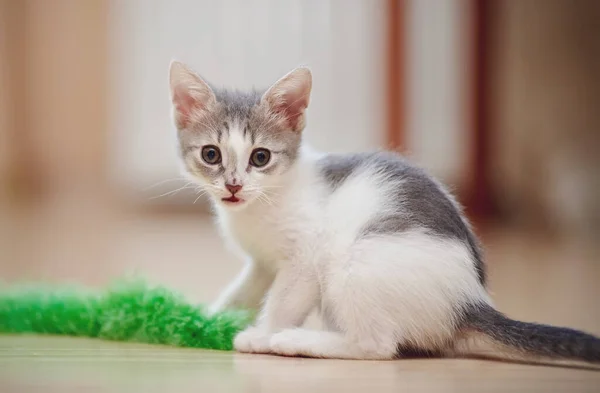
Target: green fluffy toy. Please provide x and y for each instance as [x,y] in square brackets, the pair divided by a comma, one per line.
[127,311]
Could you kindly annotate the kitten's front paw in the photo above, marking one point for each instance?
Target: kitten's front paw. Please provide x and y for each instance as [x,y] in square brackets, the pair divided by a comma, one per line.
[252,340]
[290,342]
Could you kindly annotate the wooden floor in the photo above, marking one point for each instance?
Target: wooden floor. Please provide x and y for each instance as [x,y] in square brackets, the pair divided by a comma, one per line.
[38,364]
[533,278]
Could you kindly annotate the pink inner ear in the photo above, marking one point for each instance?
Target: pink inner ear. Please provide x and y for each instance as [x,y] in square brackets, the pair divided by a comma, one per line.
[291,108]
[185,105]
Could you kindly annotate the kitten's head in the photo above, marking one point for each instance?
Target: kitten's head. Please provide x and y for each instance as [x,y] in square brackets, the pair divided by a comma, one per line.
[238,145]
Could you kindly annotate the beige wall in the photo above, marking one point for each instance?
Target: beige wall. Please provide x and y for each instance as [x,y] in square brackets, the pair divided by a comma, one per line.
[6,112]
[57,54]
[437,94]
[547,95]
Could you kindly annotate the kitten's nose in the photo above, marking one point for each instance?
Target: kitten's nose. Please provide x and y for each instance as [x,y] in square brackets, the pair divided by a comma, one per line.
[233,188]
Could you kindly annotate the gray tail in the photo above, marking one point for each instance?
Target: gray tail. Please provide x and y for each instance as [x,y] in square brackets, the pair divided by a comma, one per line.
[488,333]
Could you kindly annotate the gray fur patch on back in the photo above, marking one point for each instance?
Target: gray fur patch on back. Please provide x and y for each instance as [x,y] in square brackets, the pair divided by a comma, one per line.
[419,200]
[336,168]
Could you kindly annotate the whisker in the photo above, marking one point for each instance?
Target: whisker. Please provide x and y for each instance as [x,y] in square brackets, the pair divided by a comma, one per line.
[216,188]
[199,196]
[173,192]
[271,187]
[163,182]
[258,188]
[264,197]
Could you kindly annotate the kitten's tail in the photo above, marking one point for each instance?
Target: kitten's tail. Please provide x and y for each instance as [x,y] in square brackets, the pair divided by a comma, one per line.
[488,333]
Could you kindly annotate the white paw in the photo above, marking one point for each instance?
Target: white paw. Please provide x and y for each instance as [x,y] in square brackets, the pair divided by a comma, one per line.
[290,342]
[252,340]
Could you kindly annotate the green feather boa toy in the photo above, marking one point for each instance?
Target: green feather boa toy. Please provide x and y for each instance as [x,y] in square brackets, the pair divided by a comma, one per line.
[125,311]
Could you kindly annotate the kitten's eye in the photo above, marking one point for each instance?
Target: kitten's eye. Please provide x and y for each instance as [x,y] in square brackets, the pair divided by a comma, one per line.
[211,155]
[260,157]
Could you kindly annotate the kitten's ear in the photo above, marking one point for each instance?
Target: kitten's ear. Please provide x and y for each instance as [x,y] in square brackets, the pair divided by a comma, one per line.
[191,96]
[289,97]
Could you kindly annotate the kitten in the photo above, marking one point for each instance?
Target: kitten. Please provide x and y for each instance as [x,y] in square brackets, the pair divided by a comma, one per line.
[380,248]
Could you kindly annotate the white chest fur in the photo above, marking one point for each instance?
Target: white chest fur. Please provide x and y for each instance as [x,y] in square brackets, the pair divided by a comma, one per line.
[309,221]
[271,234]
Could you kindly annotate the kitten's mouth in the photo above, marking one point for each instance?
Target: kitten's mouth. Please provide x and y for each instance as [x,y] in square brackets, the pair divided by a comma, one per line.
[232,199]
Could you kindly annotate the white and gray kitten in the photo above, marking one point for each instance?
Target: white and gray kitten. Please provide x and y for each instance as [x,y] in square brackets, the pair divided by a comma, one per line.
[375,244]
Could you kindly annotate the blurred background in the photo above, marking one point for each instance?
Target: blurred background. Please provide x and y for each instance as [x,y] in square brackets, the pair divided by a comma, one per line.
[498,98]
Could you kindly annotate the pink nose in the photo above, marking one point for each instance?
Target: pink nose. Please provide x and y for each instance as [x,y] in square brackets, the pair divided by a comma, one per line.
[233,188]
